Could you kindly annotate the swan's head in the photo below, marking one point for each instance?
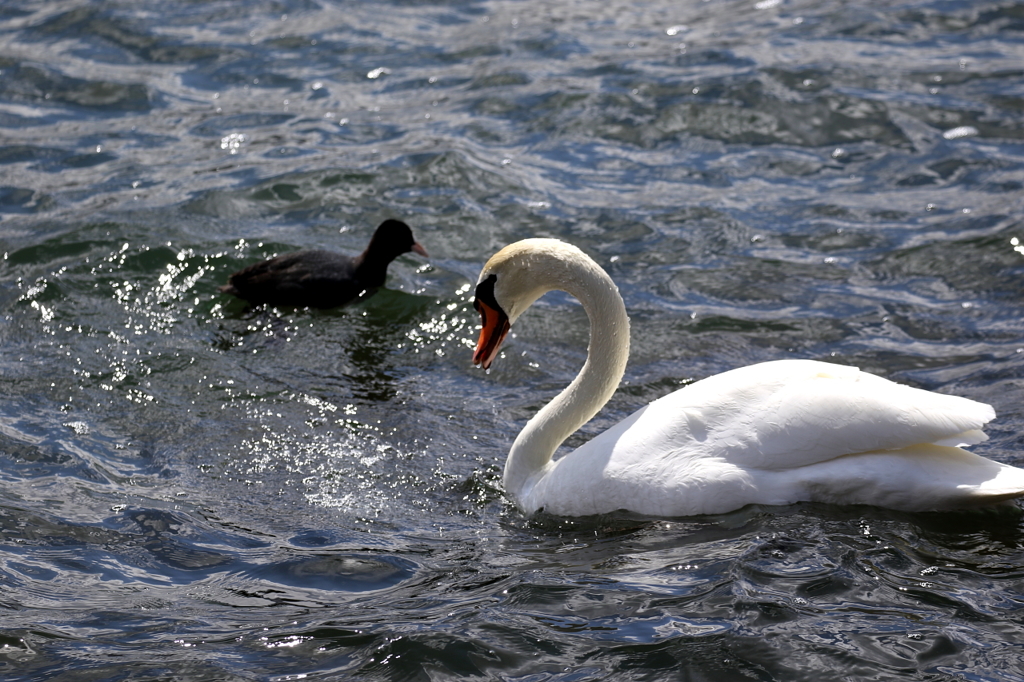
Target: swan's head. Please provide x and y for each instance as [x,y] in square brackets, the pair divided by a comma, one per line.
[512,280]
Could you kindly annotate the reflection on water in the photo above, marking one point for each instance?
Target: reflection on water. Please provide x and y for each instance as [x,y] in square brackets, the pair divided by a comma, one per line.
[190,488]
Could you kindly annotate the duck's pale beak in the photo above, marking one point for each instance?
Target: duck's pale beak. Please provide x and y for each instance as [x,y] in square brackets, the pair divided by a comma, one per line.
[494,326]
[418,248]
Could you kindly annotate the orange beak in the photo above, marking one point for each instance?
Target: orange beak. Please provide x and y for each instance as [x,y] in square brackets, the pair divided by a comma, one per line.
[418,248]
[494,326]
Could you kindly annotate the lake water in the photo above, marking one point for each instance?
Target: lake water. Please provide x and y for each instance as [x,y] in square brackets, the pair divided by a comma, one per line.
[192,490]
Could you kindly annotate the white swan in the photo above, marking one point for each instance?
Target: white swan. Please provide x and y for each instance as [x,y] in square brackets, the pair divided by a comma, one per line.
[773,433]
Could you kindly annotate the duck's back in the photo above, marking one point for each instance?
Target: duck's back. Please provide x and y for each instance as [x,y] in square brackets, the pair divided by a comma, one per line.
[314,278]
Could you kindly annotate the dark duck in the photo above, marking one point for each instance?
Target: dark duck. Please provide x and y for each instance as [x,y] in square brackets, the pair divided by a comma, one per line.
[322,279]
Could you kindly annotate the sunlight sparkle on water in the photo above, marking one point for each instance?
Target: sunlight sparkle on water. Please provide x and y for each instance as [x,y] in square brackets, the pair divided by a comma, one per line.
[233,143]
[960,132]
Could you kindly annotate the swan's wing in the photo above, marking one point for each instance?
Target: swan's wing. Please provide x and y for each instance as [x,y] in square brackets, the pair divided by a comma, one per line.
[791,413]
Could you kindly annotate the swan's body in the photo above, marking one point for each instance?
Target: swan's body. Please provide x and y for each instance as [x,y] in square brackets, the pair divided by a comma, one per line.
[773,433]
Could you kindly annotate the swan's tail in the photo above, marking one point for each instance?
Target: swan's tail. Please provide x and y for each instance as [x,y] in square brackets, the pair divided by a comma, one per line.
[926,477]
[1008,484]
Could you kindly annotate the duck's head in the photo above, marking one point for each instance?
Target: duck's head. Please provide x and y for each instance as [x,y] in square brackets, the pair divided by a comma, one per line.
[511,281]
[391,239]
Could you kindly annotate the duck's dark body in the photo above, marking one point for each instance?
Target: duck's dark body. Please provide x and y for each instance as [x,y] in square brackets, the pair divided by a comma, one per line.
[322,279]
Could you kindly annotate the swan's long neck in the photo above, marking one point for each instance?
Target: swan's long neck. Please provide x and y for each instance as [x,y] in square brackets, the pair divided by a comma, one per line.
[589,391]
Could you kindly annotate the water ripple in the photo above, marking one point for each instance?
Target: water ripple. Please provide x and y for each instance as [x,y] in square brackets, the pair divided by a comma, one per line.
[199,490]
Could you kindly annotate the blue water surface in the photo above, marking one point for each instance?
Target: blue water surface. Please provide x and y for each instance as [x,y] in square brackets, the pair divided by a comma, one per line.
[194,490]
